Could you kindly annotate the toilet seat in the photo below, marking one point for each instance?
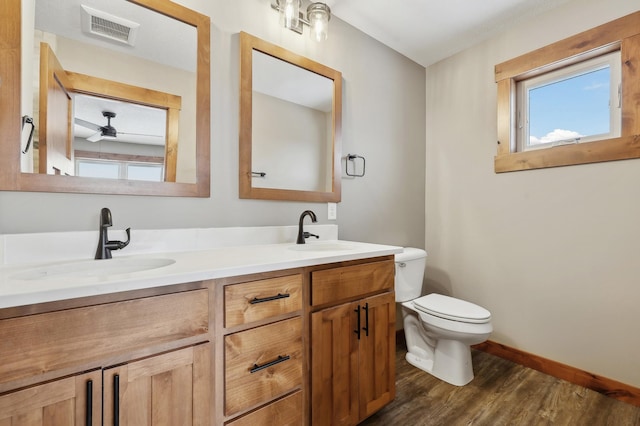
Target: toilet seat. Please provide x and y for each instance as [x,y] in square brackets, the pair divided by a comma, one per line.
[451,308]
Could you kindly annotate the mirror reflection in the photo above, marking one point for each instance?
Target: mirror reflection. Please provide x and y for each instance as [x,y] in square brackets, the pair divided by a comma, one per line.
[296,154]
[113,93]
[118,140]
[290,125]
[103,73]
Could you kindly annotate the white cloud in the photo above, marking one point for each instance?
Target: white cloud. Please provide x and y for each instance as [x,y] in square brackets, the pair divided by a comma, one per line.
[596,86]
[554,136]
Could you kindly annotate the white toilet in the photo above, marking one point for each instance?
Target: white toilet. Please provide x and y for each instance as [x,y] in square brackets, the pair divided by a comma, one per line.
[438,329]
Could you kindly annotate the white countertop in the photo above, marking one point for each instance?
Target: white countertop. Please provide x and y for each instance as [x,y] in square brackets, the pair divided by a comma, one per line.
[189,266]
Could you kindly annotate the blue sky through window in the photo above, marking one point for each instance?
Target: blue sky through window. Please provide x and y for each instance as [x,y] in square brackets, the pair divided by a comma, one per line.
[570,108]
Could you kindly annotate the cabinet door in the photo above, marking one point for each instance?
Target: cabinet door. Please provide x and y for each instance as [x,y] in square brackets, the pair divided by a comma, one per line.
[334,365]
[167,389]
[65,402]
[377,382]
[352,360]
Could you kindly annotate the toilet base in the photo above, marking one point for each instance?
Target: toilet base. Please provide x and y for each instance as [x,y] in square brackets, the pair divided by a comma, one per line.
[452,362]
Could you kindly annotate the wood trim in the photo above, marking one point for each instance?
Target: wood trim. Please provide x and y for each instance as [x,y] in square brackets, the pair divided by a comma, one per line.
[506,116]
[595,38]
[90,85]
[55,116]
[172,104]
[10,113]
[603,385]
[591,152]
[622,34]
[631,85]
[248,43]
[11,177]
[171,149]
[118,157]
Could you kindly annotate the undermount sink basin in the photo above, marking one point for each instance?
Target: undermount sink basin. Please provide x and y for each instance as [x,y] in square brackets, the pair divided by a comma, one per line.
[322,246]
[92,268]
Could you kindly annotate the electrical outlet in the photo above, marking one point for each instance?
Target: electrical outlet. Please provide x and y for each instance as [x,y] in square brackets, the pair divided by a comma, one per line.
[332,211]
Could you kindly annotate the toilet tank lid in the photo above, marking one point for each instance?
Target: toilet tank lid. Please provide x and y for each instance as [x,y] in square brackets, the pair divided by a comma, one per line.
[410,253]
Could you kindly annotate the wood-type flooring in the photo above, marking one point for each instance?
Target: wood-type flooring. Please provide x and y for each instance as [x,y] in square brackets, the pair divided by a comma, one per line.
[502,393]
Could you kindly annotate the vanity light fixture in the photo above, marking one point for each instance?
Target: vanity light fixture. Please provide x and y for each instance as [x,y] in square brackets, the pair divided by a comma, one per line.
[289,11]
[317,17]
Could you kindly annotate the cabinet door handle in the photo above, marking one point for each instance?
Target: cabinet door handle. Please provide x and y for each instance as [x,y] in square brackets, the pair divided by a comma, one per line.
[89,404]
[357,330]
[116,400]
[366,319]
[278,360]
[268,299]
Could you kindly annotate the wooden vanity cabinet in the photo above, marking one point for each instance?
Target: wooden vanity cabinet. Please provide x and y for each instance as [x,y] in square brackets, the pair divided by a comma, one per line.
[167,389]
[311,345]
[352,342]
[263,351]
[55,367]
[70,401]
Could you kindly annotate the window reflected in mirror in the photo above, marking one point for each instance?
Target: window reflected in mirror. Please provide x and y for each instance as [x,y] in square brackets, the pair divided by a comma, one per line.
[116,41]
[176,40]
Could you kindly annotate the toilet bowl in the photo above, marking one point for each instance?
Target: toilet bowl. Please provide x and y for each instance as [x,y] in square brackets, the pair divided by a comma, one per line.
[439,329]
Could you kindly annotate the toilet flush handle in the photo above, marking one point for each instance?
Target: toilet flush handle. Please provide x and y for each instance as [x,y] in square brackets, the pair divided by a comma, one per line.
[401,264]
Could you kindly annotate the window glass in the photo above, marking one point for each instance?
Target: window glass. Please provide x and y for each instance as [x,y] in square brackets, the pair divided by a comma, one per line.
[144,172]
[97,169]
[574,104]
[114,169]
[570,109]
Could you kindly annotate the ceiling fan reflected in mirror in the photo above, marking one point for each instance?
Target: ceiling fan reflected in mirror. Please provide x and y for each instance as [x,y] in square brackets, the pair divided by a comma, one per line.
[120,122]
[101,132]
[107,131]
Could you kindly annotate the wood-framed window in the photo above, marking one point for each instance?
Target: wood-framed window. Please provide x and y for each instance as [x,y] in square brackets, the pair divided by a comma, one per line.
[621,35]
[119,166]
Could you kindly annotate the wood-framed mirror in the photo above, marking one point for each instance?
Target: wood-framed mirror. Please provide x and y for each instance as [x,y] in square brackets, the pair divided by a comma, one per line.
[184,133]
[290,125]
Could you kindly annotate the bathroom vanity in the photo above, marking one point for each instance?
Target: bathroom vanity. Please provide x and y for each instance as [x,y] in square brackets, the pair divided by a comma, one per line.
[273,333]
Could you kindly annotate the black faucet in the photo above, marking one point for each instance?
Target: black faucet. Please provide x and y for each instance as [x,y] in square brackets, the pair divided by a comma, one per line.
[301,234]
[104,245]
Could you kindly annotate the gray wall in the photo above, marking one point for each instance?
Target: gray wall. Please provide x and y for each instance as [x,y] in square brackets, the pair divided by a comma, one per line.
[552,253]
[383,120]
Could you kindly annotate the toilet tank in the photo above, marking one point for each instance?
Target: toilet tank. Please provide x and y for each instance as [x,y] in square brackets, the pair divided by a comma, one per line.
[409,273]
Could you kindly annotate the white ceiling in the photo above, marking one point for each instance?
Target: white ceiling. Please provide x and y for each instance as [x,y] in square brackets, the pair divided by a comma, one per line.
[158,35]
[427,31]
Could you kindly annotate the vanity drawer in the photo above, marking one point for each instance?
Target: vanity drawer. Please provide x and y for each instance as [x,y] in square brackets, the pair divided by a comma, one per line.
[262,363]
[258,300]
[349,282]
[283,412]
[37,344]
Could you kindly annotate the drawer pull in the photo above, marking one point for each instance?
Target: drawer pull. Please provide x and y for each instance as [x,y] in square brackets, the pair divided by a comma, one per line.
[280,359]
[268,299]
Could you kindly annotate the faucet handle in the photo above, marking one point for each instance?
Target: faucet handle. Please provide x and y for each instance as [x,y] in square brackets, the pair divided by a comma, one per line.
[123,244]
[309,234]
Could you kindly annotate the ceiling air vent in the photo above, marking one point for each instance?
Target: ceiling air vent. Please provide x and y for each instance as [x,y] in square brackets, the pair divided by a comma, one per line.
[109,26]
